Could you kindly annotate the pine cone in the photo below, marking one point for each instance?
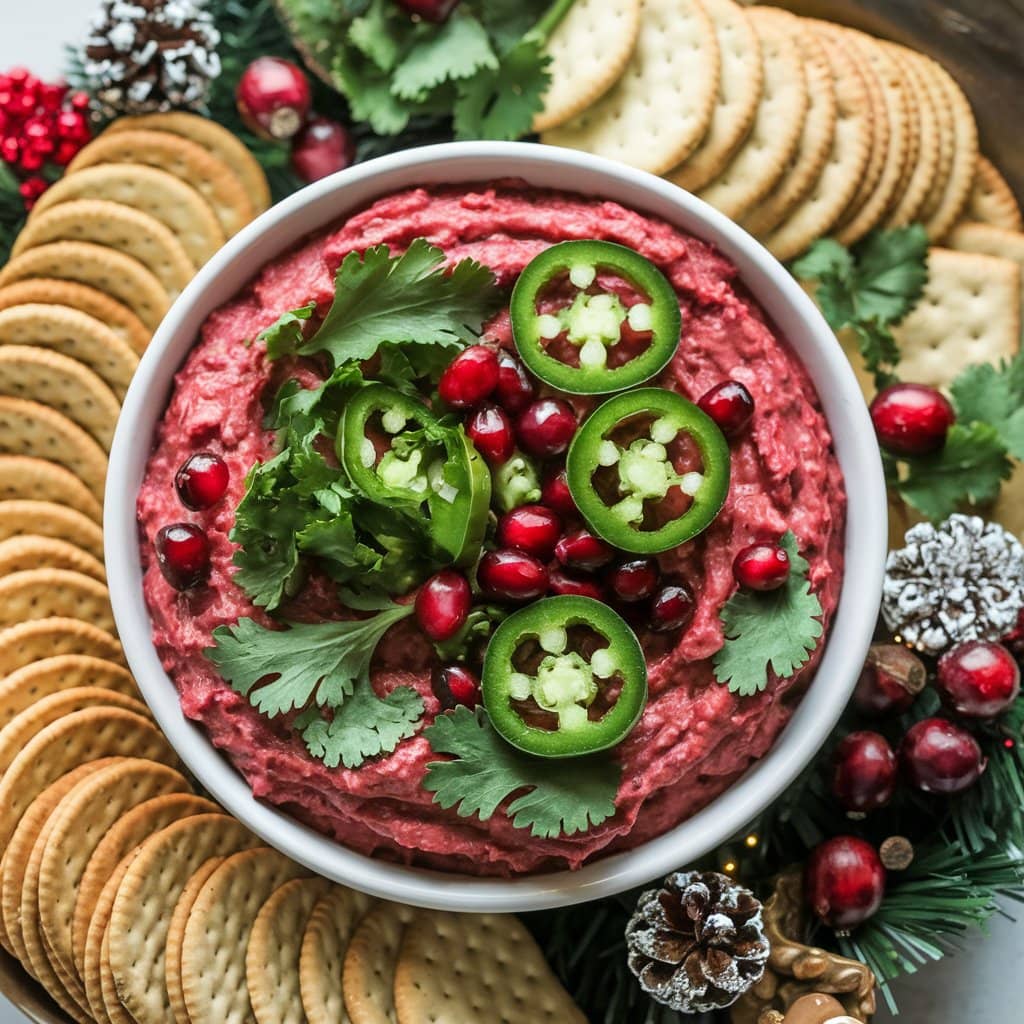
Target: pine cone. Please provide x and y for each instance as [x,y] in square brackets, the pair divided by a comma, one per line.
[147,55]
[698,943]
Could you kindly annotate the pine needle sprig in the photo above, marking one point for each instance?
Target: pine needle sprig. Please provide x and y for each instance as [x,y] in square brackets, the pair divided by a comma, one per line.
[12,211]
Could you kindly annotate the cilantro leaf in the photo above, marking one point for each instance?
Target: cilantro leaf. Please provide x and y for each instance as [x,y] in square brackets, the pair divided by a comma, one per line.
[578,796]
[507,21]
[378,33]
[368,91]
[778,629]
[878,349]
[321,661]
[363,726]
[994,394]
[457,50]
[405,300]
[969,468]
[286,333]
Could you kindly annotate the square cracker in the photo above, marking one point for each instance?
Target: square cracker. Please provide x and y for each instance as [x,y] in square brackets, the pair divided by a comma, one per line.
[989,240]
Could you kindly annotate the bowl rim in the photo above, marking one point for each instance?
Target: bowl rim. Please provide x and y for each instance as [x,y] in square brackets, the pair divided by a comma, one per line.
[775,290]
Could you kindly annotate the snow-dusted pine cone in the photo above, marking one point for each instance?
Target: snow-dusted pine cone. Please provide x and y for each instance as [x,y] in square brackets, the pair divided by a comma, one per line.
[698,943]
[147,55]
[961,580]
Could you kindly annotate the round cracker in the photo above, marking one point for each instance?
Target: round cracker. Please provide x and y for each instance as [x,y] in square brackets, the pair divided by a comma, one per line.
[658,111]
[815,139]
[30,428]
[490,963]
[836,184]
[932,82]
[30,642]
[48,519]
[18,554]
[77,826]
[275,947]
[62,384]
[589,51]
[759,164]
[322,957]
[146,899]
[210,177]
[179,207]
[740,87]
[132,233]
[49,291]
[109,270]
[370,961]
[28,479]
[75,335]
[44,593]
[40,679]
[216,939]
[991,200]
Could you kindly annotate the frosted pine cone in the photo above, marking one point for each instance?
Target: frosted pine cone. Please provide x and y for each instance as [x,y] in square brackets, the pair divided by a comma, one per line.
[698,943]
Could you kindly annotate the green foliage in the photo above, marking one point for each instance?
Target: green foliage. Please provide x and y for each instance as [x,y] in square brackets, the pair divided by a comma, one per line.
[984,393]
[12,211]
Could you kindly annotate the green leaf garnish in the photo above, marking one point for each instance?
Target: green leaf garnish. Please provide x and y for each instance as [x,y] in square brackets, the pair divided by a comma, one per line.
[994,394]
[458,50]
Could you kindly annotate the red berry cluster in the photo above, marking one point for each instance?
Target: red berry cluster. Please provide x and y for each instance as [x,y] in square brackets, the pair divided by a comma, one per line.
[41,123]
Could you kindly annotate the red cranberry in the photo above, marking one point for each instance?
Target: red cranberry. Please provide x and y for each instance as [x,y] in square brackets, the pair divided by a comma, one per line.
[322,148]
[429,10]
[443,604]
[890,681]
[582,550]
[672,608]
[273,97]
[546,427]
[469,378]
[730,405]
[941,757]
[864,776]
[512,575]
[183,554]
[515,390]
[556,495]
[201,481]
[978,679]
[562,583]
[455,684]
[636,580]
[761,567]
[1014,640]
[911,419]
[530,528]
[490,429]
[844,881]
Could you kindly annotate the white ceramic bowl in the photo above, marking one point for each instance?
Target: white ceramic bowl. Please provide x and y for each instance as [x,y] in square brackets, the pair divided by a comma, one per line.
[797,319]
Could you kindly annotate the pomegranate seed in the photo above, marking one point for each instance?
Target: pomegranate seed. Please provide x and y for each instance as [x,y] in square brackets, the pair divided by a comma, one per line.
[515,390]
[512,575]
[672,608]
[730,405]
[911,419]
[582,550]
[183,554]
[563,583]
[490,430]
[556,495]
[761,567]
[443,604]
[546,427]
[201,481]
[636,580]
[455,684]
[435,11]
[530,528]
[978,679]
[469,378]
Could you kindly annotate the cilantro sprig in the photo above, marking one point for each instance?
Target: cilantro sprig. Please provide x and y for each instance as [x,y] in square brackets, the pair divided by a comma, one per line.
[779,629]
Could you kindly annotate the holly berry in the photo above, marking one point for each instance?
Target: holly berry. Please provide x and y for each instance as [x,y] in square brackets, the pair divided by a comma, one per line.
[514,390]
[183,554]
[911,419]
[561,582]
[322,148]
[201,481]
[469,378]
[530,528]
[273,98]
[455,684]
[672,608]
[978,679]
[546,427]
[865,771]
[490,430]
[730,405]
[761,566]
[429,10]
[890,681]
[844,882]
[443,604]
[582,550]
[636,580]
[941,757]
[556,494]
[512,575]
